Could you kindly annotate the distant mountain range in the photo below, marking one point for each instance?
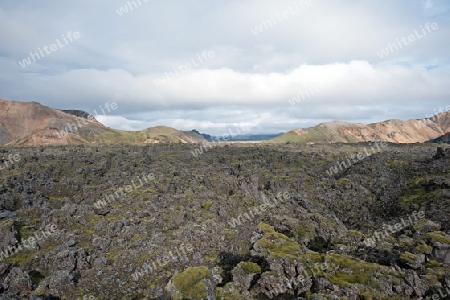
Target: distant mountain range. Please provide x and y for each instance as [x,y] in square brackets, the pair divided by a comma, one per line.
[240,138]
[394,131]
[30,123]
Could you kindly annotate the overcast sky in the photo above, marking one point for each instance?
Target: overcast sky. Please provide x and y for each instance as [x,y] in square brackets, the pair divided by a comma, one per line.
[247,59]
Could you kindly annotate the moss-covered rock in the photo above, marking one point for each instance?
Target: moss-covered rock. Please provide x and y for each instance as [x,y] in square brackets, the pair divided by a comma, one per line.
[424,249]
[250,267]
[349,270]
[193,283]
[206,205]
[412,260]
[277,245]
[438,236]
[424,226]
[244,274]
[231,292]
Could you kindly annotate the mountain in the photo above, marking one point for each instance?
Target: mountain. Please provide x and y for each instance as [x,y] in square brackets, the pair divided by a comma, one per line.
[31,123]
[254,137]
[240,138]
[394,131]
[442,139]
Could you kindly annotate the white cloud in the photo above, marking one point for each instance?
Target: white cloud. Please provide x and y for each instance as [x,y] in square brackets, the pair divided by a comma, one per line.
[118,59]
[356,82]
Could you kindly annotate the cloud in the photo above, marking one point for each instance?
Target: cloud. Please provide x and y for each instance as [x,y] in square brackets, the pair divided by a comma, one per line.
[355,82]
[249,79]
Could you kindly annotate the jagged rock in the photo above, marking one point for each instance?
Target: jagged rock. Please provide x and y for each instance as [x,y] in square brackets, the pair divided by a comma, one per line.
[286,273]
[321,284]
[83,260]
[102,211]
[9,236]
[176,221]
[413,261]
[100,243]
[425,226]
[4,268]
[313,230]
[244,274]
[439,153]
[231,291]
[271,285]
[60,283]
[446,279]
[274,245]
[70,243]
[64,260]
[217,274]
[117,227]
[7,214]
[441,252]
[18,281]
[414,281]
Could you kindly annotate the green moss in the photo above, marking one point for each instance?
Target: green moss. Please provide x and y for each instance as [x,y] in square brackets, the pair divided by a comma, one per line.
[408,257]
[438,236]
[371,295]
[432,264]
[25,256]
[152,283]
[207,205]
[230,292]
[250,267]
[343,181]
[276,244]
[343,279]
[424,249]
[419,224]
[312,256]
[395,163]
[20,258]
[212,255]
[26,231]
[416,195]
[355,233]
[307,229]
[190,283]
[351,270]
[113,253]
[406,242]
[136,238]
[435,269]
[265,227]
[305,232]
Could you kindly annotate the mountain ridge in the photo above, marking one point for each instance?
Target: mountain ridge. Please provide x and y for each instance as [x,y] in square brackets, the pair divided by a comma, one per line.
[31,123]
[394,131]
[42,125]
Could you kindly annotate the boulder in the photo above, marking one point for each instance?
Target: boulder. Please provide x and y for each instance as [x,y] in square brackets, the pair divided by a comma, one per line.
[193,283]
[18,281]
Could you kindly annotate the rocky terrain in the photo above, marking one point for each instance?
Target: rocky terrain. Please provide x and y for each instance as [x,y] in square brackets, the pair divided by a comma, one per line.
[394,131]
[246,221]
[30,123]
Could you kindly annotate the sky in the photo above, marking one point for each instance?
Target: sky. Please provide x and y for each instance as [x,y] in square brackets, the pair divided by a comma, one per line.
[212,65]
